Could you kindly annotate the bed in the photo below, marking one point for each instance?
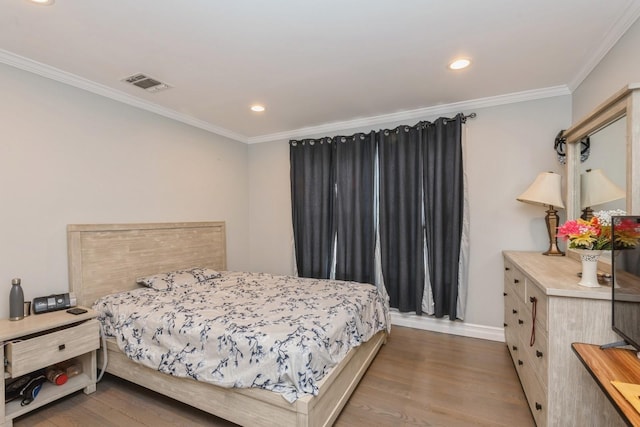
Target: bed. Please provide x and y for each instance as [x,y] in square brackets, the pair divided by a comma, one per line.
[108,258]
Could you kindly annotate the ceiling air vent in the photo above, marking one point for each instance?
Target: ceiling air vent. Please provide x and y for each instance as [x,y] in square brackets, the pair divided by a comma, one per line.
[145,82]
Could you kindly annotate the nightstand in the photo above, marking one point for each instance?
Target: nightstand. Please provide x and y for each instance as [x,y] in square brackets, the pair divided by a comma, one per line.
[38,341]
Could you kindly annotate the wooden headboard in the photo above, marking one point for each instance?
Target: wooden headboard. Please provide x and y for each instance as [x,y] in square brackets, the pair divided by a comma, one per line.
[107,258]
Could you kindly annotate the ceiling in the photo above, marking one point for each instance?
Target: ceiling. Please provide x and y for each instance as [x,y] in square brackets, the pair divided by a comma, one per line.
[315,65]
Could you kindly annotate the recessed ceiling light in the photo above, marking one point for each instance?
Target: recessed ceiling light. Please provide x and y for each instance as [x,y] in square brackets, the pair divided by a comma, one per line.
[43,2]
[257,108]
[459,64]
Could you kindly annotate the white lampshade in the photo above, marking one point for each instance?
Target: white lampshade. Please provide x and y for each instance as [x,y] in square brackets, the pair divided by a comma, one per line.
[596,189]
[546,190]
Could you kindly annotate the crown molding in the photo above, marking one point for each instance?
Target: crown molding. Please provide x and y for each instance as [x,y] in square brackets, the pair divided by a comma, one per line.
[52,73]
[418,114]
[618,29]
[368,122]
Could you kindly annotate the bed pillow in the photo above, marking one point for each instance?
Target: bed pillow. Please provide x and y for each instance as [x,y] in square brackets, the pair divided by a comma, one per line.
[178,278]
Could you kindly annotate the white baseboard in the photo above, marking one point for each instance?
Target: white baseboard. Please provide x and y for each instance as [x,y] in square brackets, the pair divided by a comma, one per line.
[446,326]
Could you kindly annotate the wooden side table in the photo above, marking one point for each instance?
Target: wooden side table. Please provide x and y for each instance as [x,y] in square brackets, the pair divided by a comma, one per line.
[612,364]
[42,340]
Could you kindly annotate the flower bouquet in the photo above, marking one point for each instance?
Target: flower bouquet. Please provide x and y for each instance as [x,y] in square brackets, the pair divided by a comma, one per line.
[594,234]
[590,238]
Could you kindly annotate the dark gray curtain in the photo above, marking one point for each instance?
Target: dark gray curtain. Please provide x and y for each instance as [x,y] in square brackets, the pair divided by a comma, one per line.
[354,214]
[443,185]
[401,241]
[312,199]
[421,192]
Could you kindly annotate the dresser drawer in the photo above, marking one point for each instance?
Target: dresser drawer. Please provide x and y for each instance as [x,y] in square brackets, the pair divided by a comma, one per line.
[535,392]
[538,356]
[31,354]
[514,280]
[511,310]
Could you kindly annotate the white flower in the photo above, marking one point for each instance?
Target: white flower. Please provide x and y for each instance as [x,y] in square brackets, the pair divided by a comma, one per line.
[604,217]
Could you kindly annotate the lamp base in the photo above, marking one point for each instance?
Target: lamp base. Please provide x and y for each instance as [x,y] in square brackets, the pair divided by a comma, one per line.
[551,219]
[587,214]
[554,251]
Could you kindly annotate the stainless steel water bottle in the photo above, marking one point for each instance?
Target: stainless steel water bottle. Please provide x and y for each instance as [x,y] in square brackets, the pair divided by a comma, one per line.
[16,301]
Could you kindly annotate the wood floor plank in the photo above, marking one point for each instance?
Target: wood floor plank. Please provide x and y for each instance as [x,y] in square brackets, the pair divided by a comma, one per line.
[419,378]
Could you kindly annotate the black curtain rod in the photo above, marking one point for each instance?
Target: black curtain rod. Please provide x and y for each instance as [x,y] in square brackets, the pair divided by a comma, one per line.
[464,118]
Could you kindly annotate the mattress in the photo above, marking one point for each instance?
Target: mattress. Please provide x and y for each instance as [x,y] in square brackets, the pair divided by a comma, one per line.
[278,333]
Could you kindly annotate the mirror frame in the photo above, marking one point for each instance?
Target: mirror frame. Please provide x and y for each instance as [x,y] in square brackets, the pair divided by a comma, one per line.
[625,102]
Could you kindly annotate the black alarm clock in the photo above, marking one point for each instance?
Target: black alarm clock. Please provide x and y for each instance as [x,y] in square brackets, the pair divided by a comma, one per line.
[53,303]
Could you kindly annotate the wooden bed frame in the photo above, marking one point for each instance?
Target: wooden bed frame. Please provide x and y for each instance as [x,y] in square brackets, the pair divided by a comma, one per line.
[107,258]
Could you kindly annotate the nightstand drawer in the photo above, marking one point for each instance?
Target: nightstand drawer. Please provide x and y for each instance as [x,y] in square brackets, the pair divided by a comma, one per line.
[44,350]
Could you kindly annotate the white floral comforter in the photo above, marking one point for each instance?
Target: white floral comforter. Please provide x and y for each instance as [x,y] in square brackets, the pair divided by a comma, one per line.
[278,333]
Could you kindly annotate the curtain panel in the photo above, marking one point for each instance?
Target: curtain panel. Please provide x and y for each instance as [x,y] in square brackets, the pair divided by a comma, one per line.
[312,201]
[354,218]
[401,230]
[443,184]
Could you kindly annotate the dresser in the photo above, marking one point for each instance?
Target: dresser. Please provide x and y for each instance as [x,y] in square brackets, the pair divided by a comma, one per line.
[545,311]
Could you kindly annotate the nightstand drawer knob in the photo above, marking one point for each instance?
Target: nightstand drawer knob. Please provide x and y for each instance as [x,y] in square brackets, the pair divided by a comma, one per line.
[538,407]
[520,362]
[520,321]
[516,281]
[539,353]
[61,347]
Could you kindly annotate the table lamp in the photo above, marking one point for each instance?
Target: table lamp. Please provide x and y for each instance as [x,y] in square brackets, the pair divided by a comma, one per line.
[546,190]
[596,189]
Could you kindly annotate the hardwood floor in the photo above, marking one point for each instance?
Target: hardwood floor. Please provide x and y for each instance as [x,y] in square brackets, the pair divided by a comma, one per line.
[419,378]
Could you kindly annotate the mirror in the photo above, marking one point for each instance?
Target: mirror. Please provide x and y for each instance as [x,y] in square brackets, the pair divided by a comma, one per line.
[615,120]
[608,152]
[618,115]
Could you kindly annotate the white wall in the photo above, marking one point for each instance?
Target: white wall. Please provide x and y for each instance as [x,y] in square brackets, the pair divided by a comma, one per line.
[69,156]
[617,69]
[507,147]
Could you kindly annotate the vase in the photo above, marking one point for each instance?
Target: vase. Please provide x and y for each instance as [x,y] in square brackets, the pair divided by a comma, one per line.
[589,259]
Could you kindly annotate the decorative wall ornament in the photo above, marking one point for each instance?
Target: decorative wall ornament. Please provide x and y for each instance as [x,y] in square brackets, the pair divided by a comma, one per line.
[560,146]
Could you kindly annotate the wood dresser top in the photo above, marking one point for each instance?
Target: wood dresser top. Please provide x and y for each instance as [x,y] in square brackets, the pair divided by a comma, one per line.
[555,275]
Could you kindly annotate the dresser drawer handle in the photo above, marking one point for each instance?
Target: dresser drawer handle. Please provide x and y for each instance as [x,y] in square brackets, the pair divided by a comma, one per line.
[520,362]
[520,321]
[514,311]
[516,281]
[538,407]
[539,353]
[534,310]
[507,269]
[514,347]
[61,347]
[504,294]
